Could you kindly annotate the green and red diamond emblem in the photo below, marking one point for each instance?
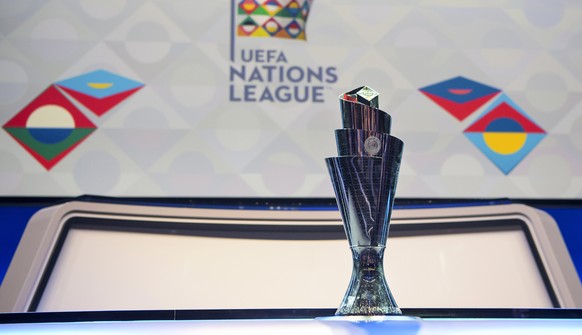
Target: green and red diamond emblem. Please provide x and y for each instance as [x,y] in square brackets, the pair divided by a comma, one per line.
[49,127]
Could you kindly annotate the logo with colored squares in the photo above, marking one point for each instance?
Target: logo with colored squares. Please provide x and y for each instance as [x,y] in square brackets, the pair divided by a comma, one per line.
[52,124]
[503,132]
[272,18]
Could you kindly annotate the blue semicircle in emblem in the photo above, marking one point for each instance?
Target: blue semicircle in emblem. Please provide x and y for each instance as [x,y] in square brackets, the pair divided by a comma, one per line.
[504,125]
[50,135]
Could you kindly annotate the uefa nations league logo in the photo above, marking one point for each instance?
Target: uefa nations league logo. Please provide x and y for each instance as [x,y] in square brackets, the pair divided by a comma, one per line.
[52,124]
[260,74]
[503,132]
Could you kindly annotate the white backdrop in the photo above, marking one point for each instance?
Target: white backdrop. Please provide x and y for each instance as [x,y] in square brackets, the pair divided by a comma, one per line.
[188,131]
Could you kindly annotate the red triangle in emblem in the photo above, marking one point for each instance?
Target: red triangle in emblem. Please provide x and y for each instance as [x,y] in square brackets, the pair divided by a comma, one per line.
[100,106]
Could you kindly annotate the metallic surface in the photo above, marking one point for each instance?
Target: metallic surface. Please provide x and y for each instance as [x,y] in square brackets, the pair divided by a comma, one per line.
[360,111]
[364,178]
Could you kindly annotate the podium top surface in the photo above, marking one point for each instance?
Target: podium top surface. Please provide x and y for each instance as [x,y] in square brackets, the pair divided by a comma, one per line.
[293,321]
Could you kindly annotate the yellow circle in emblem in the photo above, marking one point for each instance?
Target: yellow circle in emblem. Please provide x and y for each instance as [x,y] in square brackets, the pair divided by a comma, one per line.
[272,27]
[504,143]
[50,116]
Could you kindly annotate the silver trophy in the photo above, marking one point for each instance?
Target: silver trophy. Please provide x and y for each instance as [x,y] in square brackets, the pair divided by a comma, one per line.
[364,179]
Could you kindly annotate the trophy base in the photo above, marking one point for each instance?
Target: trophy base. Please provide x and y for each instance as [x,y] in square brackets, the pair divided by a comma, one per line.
[368,293]
[368,318]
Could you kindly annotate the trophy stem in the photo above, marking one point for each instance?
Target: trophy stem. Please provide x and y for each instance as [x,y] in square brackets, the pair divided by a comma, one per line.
[368,293]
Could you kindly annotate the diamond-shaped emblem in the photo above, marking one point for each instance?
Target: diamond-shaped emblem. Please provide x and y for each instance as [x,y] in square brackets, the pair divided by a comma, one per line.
[248,6]
[49,127]
[460,96]
[272,26]
[247,27]
[293,9]
[294,29]
[272,7]
[505,134]
[99,90]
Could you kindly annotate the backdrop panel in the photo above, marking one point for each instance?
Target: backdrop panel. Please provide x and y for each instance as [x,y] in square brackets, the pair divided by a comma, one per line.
[239,98]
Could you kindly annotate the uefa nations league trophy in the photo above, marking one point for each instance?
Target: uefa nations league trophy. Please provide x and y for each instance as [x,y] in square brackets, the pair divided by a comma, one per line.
[364,179]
